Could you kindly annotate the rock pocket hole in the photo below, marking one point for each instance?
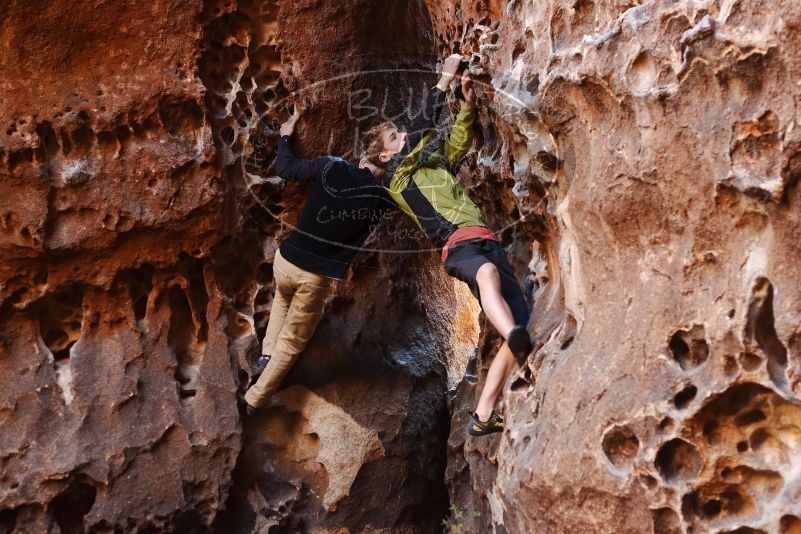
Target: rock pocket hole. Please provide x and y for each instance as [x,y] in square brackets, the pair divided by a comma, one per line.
[666,521]
[620,445]
[107,142]
[711,432]
[643,72]
[548,161]
[750,417]
[8,520]
[71,505]
[760,328]
[520,382]
[568,332]
[666,424]
[750,361]
[518,51]
[20,157]
[684,397]
[141,285]
[689,347]
[60,323]
[711,508]
[182,339]
[790,524]
[678,460]
[48,139]
[758,438]
[648,482]
[228,136]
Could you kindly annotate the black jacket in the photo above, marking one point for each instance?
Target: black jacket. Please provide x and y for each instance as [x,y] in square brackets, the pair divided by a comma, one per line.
[344,206]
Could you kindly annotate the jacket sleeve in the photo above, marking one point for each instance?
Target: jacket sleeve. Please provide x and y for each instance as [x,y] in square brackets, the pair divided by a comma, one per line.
[461,138]
[290,168]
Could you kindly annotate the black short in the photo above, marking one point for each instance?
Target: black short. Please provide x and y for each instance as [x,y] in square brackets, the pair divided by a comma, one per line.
[466,257]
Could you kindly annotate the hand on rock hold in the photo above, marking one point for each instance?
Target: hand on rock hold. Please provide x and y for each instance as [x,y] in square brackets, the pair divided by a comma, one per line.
[288,127]
[449,69]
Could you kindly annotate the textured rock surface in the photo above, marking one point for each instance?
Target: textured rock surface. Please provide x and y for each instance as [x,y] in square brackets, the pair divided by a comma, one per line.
[640,159]
[136,234]
[655,147]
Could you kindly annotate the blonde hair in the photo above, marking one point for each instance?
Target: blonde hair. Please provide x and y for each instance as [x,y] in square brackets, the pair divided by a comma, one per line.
[374,145]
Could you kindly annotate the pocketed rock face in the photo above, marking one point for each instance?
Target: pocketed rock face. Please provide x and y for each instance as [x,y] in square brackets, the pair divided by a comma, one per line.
[115,375]
[640,159]
[138,222]
[652,151]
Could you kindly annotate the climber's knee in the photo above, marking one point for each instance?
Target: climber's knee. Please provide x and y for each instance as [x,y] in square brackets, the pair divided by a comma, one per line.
[487,274]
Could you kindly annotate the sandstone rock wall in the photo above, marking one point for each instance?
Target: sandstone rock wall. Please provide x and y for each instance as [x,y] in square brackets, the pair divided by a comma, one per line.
[639,159]
[139,221]
[651,149]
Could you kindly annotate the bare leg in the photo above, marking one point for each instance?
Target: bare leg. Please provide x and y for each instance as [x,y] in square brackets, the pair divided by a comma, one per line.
[496,377]
[492,302]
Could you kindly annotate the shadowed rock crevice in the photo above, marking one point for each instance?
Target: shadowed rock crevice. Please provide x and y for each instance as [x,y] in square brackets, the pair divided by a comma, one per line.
[182,339]
[385,382]
[678,460]
[141,286]
[60,323]
[684,397]
[666,521]
[71,505]
[620,445]
[689,347]
[760,330]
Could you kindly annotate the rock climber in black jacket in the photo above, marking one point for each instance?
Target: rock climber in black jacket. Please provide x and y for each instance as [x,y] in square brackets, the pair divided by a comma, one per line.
[345,204]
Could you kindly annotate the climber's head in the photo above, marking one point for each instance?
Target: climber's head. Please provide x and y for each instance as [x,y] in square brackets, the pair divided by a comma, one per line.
[382,142]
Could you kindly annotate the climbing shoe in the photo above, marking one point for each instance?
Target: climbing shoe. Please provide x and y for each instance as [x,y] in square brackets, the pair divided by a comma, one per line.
[243,406]
[519,343]
[476,427]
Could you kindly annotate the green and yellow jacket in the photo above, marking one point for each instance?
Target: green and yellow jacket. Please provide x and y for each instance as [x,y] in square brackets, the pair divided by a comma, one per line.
[419,178]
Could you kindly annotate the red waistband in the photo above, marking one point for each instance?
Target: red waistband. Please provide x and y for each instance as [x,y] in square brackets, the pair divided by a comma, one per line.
[465,233]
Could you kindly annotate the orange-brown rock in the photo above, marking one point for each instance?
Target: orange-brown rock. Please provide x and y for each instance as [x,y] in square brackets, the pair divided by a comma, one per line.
[138,221]
[640,159]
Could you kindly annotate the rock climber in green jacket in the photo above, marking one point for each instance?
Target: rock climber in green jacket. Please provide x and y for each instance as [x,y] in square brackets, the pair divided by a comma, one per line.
[418,172]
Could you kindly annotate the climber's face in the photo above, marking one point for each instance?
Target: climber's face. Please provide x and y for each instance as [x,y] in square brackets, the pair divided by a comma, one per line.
[394,140]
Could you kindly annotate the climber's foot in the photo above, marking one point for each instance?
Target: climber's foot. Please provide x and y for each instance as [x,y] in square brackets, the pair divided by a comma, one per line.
[519,343]
[477,427]
[245,409]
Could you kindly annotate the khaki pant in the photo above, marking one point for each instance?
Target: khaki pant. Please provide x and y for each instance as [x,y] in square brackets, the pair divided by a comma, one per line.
[300,298]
